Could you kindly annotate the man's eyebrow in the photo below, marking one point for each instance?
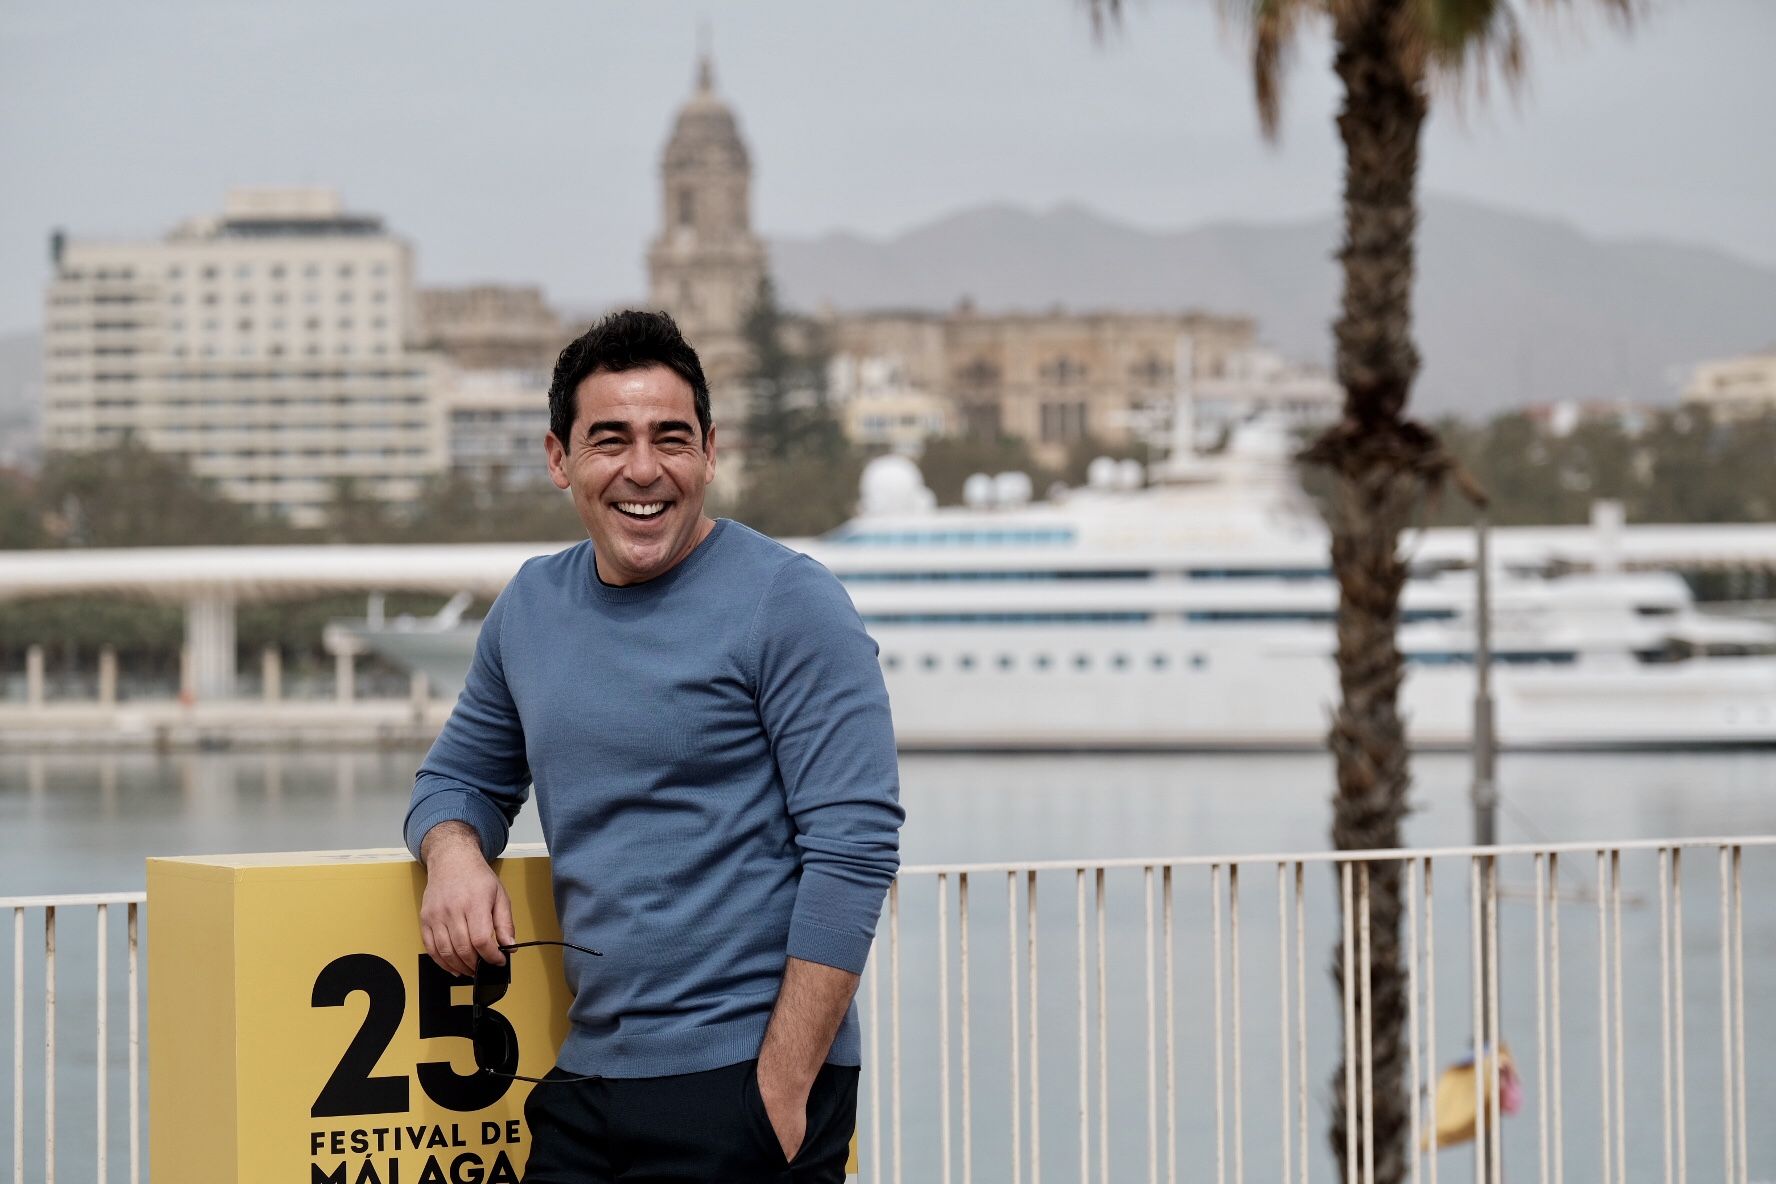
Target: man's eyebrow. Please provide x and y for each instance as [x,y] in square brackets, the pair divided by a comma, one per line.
[607,425]
[673,425]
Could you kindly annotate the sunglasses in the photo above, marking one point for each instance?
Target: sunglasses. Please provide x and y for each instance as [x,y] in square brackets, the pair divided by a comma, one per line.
[496,1044]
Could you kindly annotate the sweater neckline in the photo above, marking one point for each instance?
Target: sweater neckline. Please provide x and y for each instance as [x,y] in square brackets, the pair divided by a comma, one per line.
[647,589]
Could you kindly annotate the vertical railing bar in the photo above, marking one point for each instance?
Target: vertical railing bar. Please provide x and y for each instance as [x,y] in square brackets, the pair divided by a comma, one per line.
[49,1044]
[18,1046]
[1555,1078]
[1603,1015]
[967,1042]
[1017,990]
[1430,1005]
[1739,998]
[894,1028]
[1035,1042]
[1171,1035]
[1084,1031]
[1366,1028]
[1152,970]
[1541,893]
[1103,1042]
[1477,931]
[102,1060]
[1730,1144]
[943,1022]
[1495,1033]
[1621,1059]
[1665,1004]
[874,1025]
[1348,928]
[1288,1075]
[1239,993]
[1681,1076]
[1301,1012]
[1220,1070]
[1413,1069]
[135,1051]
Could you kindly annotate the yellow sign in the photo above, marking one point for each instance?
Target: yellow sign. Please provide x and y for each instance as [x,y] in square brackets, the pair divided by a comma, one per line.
[300,1033]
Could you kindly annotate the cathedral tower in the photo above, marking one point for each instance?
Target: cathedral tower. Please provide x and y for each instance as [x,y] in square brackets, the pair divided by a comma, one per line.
[705,265]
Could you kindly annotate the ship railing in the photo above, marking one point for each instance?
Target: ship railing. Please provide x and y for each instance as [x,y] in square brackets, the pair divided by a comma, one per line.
[1170,1018]
[1165,1019]
[77,1056]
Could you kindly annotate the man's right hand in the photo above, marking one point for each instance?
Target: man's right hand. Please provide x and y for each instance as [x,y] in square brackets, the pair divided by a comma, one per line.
[466,912]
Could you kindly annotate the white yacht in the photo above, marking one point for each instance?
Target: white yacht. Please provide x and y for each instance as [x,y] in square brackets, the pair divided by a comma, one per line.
[1198,612]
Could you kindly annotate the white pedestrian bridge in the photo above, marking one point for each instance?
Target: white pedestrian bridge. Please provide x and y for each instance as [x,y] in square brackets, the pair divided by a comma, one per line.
[211,581]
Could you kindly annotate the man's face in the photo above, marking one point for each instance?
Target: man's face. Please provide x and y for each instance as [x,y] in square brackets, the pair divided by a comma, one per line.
[636,465]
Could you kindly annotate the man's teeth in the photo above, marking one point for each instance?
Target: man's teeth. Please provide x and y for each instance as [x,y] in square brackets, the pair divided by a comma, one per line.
[641,509]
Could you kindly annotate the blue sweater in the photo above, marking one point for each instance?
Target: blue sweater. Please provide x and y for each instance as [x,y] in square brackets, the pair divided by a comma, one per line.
[714,765]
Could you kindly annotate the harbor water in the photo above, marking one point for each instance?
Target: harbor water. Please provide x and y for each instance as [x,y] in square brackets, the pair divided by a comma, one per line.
[74,822]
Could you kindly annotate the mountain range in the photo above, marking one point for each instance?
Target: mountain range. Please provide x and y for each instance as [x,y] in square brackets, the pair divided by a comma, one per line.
[1510,309]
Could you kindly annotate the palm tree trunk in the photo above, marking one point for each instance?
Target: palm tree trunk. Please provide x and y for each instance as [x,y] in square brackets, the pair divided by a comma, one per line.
[1383,466]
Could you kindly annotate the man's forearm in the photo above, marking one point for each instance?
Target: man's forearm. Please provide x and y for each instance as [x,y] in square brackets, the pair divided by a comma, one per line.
[449,838]
[810,1007]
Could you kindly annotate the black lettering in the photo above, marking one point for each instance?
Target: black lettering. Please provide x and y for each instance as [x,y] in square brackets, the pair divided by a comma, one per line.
[439,1017]
[317,1141]
[351,1089]
[360,1142]
[415,1136]
[433,1173]
[503,1172]
[512,1133]
[437,1138]
[466,1169]
[490,1133]
[368,1175]
[317,1176]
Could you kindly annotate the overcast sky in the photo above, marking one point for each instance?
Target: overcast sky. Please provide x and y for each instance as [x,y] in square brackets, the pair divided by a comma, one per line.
[520,141]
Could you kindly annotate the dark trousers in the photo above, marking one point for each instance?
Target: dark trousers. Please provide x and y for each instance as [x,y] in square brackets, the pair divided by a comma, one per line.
[705,1127]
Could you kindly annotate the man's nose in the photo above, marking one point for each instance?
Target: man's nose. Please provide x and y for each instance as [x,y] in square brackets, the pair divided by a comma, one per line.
[644,465]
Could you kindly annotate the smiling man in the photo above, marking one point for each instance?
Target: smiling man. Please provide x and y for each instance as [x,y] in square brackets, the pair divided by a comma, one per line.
[702,716]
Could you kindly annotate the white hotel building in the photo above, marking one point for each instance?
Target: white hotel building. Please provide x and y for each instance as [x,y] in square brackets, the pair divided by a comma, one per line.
[271,345]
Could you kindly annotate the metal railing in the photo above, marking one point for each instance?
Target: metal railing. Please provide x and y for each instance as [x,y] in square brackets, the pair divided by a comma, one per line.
[1153,1018]
[1200,962]
[54,909]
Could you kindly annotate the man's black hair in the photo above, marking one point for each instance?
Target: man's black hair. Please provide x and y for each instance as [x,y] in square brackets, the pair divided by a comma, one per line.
[627,340]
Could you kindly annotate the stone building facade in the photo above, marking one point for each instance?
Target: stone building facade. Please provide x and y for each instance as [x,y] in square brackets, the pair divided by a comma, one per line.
[1052,378]
[491,326]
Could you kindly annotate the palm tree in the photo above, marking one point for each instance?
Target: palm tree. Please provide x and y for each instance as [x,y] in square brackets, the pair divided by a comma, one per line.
[1383,465]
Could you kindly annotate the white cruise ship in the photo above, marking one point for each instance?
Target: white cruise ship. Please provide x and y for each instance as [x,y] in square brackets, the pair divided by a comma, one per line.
[1199,612]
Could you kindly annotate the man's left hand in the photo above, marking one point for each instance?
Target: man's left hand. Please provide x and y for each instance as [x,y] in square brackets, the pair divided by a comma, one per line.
[786,1105]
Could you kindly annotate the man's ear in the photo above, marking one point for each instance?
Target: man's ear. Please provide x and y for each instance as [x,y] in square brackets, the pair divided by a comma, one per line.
[556,454]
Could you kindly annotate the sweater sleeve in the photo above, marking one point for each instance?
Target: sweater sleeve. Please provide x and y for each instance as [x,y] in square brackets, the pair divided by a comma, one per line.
[825,708]
[476,771]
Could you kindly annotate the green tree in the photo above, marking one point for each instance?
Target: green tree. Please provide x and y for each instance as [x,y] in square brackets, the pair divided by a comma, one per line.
[1387,54]
[948,461]
[21,519]
[131,496]
[800,471]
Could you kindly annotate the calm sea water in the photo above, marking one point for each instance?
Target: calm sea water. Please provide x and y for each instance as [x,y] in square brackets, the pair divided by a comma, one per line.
[81,823]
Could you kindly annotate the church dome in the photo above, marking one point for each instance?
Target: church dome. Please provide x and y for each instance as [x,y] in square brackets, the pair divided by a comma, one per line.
[705,132]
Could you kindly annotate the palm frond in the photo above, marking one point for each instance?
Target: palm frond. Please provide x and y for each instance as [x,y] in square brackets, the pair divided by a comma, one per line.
[1272,25]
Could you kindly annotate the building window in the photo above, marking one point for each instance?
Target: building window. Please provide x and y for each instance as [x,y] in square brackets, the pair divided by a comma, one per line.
[1063,371]
[1062,422]
[345,271]
[687,207]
